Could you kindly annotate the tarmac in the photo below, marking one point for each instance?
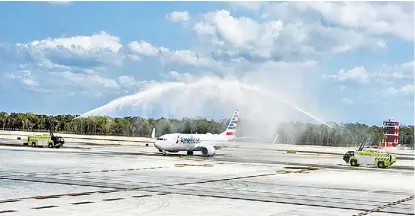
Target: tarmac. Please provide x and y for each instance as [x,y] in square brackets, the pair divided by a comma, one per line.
[251,179]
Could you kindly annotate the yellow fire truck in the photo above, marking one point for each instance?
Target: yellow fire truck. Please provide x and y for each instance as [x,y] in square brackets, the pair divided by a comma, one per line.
[369,157]
[49,140]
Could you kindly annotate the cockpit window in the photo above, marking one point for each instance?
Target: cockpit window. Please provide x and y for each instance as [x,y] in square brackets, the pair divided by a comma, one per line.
[160,138]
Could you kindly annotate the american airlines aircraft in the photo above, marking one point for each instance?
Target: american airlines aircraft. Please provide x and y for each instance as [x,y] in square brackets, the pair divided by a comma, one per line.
[206,143]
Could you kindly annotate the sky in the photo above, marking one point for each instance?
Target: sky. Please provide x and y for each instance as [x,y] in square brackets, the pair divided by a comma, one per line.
[341,61]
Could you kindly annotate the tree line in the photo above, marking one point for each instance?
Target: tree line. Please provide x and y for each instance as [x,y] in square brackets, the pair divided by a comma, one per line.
[350,134]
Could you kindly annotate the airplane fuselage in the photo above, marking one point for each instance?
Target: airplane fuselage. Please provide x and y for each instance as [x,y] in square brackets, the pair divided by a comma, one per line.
[190,142]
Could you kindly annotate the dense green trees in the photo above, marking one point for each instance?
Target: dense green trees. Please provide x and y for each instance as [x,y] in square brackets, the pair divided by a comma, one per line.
[289,132]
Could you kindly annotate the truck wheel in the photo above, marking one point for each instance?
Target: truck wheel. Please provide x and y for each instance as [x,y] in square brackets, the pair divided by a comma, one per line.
[353,162]
[381,164]
[50,145]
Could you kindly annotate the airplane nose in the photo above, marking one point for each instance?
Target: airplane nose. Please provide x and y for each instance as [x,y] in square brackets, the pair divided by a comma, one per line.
[157,145]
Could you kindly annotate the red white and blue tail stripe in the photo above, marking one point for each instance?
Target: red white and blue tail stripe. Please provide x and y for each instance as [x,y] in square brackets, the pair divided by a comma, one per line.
[231,129]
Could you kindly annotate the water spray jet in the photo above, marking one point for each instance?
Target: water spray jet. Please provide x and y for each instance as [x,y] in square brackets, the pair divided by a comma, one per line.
[210,88]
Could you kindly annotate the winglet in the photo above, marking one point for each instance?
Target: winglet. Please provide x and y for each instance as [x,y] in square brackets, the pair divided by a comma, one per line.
[153,133]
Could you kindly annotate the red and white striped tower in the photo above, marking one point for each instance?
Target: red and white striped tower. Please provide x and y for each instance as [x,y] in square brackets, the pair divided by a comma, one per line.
[390,133]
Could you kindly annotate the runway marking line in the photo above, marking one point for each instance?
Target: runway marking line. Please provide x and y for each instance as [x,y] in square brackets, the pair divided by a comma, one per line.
[113,199]
[379,208]
[201,165]
[298,168]
[43,207]
[107,191]
[9,200]
[46,197]
[79,194]
[81,203]
[7,211]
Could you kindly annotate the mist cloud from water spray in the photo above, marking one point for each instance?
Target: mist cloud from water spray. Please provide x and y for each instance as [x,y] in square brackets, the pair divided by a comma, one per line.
[207,96]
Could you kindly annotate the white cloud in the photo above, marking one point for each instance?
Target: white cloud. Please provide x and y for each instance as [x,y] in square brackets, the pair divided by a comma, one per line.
[369,18]
[90,80]
[130,84]
[133,57]
[404,90]
[180,76]
[359,74]
[126,80]
[244,37]
[79,44]
[307,26]
[25,77]
[178,16]
[84,51]
[399,71]
[183,57]
[204,28]
[189,57]
[143,48]
[328,40]
[384,74]
[238,31]
[241,31]
[279,37]
[373,18]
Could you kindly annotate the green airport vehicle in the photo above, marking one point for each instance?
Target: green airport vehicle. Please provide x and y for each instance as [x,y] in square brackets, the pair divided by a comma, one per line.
[49,140]
[369,157]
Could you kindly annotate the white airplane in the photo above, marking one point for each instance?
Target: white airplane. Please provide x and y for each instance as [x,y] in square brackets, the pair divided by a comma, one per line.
[206,143]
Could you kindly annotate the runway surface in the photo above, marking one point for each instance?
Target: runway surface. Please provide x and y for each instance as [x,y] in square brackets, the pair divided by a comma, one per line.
[98,180]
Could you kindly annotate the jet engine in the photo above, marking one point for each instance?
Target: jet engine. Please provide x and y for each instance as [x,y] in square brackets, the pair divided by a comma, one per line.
[208,151]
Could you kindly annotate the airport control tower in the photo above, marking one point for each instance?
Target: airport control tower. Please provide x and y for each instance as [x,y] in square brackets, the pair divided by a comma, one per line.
[390,133]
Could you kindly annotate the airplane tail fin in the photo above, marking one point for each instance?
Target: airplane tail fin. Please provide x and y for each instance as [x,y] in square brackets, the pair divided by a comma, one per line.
[153,133]
[233,123]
